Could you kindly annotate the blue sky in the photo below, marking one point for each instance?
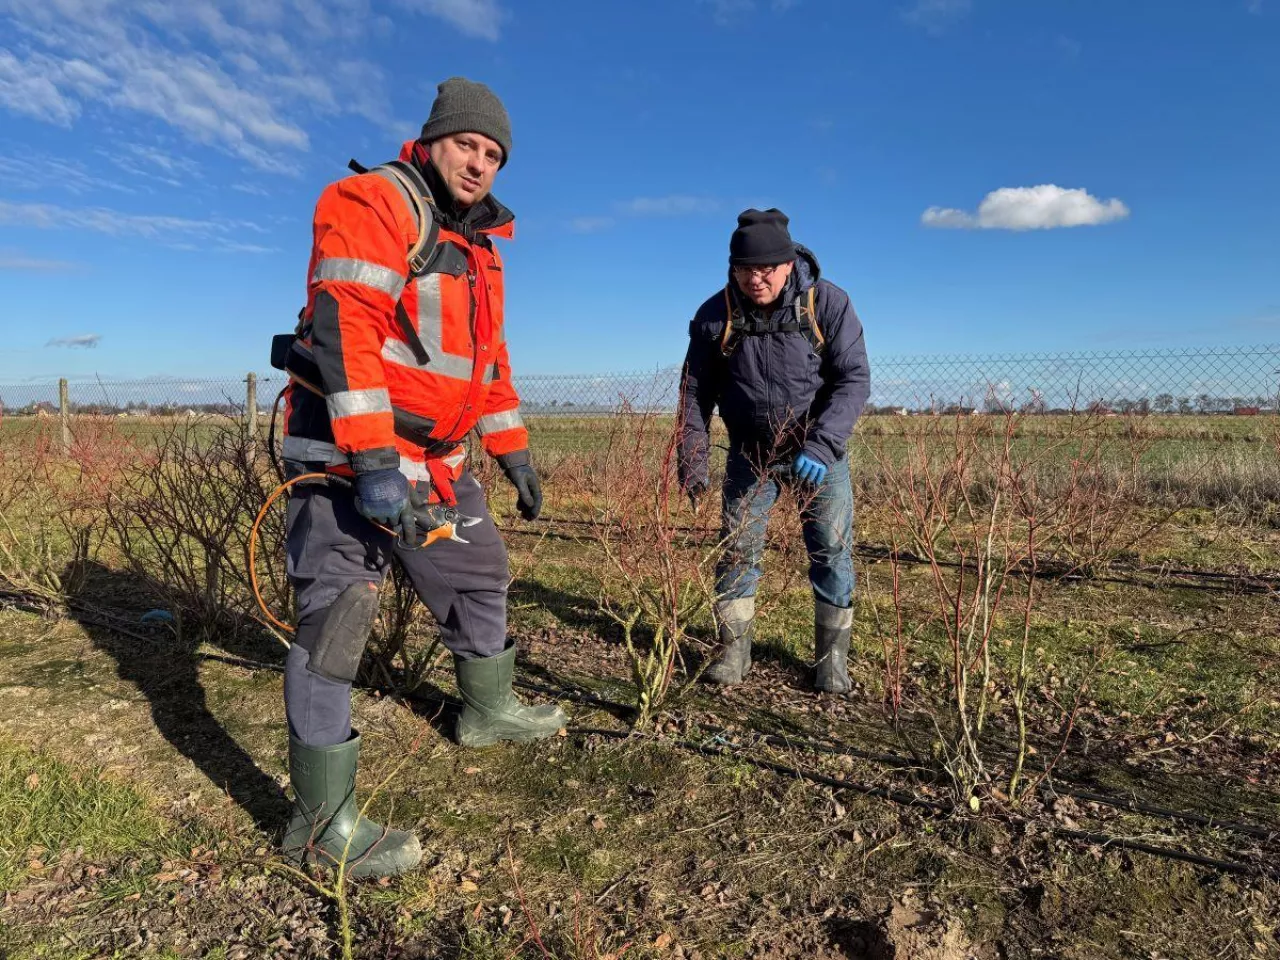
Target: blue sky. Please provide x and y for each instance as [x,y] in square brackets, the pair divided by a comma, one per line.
[980,175]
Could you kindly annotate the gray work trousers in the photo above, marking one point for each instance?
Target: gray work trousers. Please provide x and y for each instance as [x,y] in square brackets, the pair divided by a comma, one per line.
[330,547]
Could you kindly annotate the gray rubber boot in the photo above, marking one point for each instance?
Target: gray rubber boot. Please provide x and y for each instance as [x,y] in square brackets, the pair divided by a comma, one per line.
[326,817]
[833,627]
[492,712]
[735,620]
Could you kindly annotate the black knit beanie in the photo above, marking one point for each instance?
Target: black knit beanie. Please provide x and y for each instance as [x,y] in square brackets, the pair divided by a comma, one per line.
[464,106]
[762,239]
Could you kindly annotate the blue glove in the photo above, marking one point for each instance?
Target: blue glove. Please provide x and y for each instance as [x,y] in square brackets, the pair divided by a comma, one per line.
[809,470]
[383,497]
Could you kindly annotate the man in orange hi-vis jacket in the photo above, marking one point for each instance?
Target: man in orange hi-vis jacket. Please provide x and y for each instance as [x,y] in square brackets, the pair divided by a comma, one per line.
[399,354]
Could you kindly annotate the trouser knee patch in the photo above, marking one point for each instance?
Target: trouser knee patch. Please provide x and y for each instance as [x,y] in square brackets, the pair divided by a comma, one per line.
[345,633]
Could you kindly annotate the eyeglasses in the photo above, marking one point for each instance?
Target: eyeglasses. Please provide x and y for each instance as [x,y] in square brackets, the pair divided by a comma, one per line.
[764,273]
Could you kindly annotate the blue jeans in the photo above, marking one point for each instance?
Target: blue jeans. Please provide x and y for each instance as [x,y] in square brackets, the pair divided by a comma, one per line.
[827,517]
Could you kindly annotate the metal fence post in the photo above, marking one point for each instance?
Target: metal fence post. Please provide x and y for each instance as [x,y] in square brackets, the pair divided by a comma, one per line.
[251,406]
[64,416]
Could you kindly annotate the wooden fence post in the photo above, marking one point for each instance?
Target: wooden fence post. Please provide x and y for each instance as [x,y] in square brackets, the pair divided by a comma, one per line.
[251,406]
[64,417]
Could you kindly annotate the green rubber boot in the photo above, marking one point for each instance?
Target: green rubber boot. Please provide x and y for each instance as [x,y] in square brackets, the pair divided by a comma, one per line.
[325,816]
[734,621]
[492,712]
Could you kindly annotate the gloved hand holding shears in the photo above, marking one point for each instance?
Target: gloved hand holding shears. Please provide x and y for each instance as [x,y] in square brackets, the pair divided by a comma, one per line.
[386,498]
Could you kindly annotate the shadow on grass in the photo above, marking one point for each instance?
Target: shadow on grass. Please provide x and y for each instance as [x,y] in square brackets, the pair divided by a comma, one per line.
[166,671]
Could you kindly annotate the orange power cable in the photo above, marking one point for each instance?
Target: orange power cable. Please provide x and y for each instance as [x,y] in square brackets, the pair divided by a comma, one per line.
[253,544]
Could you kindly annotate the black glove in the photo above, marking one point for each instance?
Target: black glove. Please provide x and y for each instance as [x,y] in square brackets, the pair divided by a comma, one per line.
[383,497]
[695,489]
[525,479]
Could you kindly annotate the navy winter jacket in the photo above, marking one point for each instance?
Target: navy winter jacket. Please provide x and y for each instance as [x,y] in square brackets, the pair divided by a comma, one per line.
[777,396]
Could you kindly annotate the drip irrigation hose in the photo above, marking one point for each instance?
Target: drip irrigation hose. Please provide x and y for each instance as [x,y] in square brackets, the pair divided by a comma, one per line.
[838,748]
[1236,867]
[1216,581]
[901,798]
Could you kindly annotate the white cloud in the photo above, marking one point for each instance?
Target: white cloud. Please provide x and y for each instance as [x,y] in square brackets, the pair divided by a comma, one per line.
[1043,207]
[38,171]
[146,162]
[936,16]
[25,264]
[247,77]
[227,246]
[86,340]
[675,205]
[590,224]
[25,90]
[179,232]
[727,12]
[475,18]
[1255,7]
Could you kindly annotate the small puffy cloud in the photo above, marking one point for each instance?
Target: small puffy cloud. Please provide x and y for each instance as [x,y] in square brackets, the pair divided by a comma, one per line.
[84,340]
[1043,207]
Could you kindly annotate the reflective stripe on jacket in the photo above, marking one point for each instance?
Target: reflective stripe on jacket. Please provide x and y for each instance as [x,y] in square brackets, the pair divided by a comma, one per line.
[384,404]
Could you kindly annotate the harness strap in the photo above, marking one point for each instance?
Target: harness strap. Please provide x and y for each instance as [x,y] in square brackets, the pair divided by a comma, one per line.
[727,341]
[424,209]
[804,320]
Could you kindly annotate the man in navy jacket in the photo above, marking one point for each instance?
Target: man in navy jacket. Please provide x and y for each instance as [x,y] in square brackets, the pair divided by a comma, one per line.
[780,352]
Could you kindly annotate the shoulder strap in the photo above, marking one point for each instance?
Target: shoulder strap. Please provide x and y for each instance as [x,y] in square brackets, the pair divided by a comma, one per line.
[807,319]
[418,195]
[423,205]
[732,325]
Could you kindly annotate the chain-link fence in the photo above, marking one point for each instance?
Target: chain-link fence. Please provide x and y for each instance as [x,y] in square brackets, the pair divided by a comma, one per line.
[1236,380]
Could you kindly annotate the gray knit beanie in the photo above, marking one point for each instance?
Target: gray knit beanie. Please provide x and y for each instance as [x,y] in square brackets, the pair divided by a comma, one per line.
[464,106]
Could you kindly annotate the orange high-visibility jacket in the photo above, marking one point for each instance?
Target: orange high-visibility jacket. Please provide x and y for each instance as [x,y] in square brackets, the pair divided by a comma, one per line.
[386,401]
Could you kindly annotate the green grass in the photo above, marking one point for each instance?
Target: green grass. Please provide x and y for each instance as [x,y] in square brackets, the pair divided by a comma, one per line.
[47,809]
[639,829]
